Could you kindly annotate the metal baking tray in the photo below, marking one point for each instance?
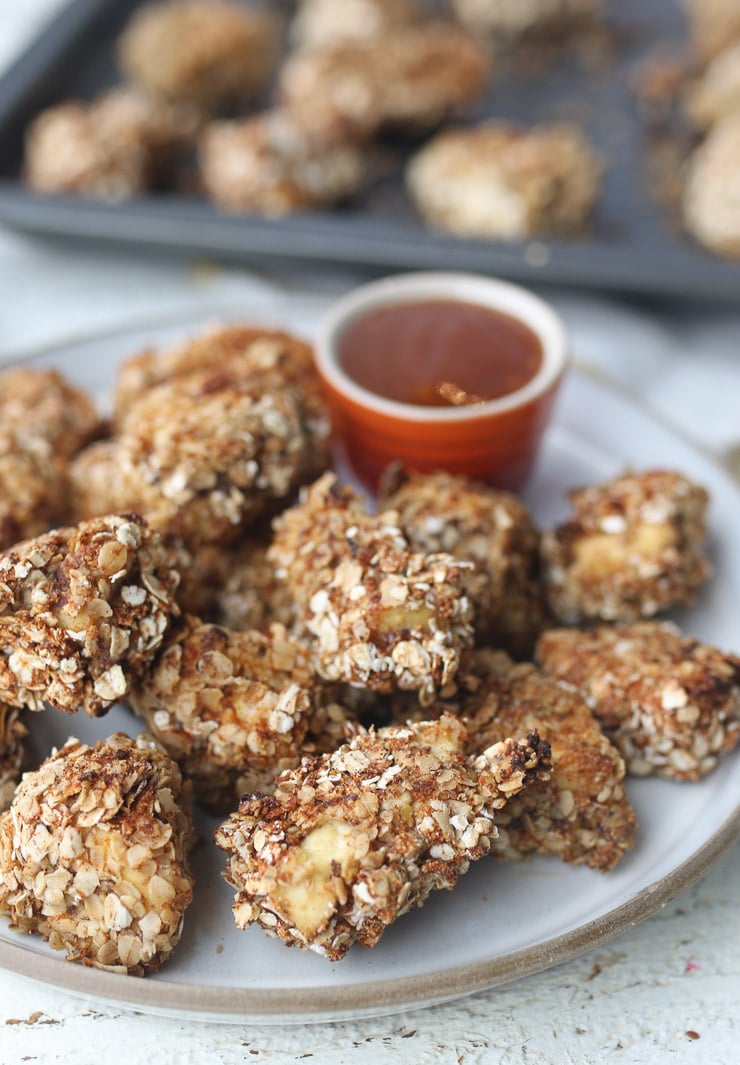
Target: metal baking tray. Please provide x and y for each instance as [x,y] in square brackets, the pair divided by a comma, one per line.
[634,243]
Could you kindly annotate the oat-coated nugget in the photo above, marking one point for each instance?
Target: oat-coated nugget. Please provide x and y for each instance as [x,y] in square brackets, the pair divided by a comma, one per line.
[12,751]
[491,529]
[113,148]
[353,840]
[381,615]
[580,813]
[633,547]
[324,23]
[669,703]
[408,78]
[233,709]
[506,182]
[271,164]
[33,487]
[93,854]
[42,404]
[207,54]
[82,611]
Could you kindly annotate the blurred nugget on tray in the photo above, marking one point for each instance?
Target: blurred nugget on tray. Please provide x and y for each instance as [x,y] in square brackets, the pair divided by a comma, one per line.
[631,548]
[670,703]
[506,21]
[711,197]
[351,841]
[506,182]
[322,23]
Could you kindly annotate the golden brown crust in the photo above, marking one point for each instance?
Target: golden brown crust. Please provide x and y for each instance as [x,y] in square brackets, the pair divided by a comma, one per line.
[380,615]
[633,547]
[580,813]
[93,854]
[82,612]
[491,529]
[41,403]
[669,703]
[353,840]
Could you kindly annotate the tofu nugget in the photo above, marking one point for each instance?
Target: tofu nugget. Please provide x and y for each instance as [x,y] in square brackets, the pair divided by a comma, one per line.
[669,703]
[233,709]
[12,751]
[504,182]
[491,529]
[633,547]
[208,54]
[33,487]
[380,614]
[271,164]
[42,404]
[82,611]
[93,854]
[353,840]
[580,813]
[408,78]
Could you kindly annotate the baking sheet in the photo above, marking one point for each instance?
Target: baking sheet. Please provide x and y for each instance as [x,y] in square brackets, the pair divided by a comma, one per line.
[634,243]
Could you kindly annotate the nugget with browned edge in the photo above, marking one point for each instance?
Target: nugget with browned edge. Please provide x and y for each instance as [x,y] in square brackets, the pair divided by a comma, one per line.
[353,840]
[82,611]
[12,751]
[670,703]
[42,403]
[93,854]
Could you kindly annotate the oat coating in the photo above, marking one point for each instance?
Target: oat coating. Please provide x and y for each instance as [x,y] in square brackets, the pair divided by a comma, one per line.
[325,23]
[353,840]
[33,487]
[669,703]
[271,164]
[82,611]
[207,54]
[507,20]
[113,148]
[93,854]
[632,547]
[491,529]
[711,196]
[580,813]
[41,403]
[380,614]
[233,709]
[409,78]
[505,182]
[12,752]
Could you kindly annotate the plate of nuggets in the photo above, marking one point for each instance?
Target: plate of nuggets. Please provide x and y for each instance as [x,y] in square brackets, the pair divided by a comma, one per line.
[243,707]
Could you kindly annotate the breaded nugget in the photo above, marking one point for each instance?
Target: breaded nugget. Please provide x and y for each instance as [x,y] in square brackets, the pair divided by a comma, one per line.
[581,813]
[491,529]
[380,614]
[233,709]
[41,403]
[408,78]
[12,752]
[669,703]
[500,181]
[325,23]
[271,164]
[33,487]
[93,854]
[716,93]
[113,148]
[714,24]
[208,54]
[355,839]
[82,611]
[711,196]
[507,20]
[633,546]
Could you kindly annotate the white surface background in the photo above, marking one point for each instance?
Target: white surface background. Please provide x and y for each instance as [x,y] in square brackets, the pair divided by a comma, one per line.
[632,1001]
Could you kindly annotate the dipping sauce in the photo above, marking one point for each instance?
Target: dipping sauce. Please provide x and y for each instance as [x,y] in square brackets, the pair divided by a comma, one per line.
[439,353]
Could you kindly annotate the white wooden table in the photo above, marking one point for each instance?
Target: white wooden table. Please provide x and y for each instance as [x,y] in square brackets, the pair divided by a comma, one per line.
[668,990]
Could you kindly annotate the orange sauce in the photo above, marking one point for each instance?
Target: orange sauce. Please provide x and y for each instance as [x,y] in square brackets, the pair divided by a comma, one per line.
[439,353]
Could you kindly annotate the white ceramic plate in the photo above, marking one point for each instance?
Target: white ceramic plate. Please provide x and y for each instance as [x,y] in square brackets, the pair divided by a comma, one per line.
[503,921]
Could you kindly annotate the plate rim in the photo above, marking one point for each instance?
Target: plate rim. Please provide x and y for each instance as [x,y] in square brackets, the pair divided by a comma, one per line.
[305,1005]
